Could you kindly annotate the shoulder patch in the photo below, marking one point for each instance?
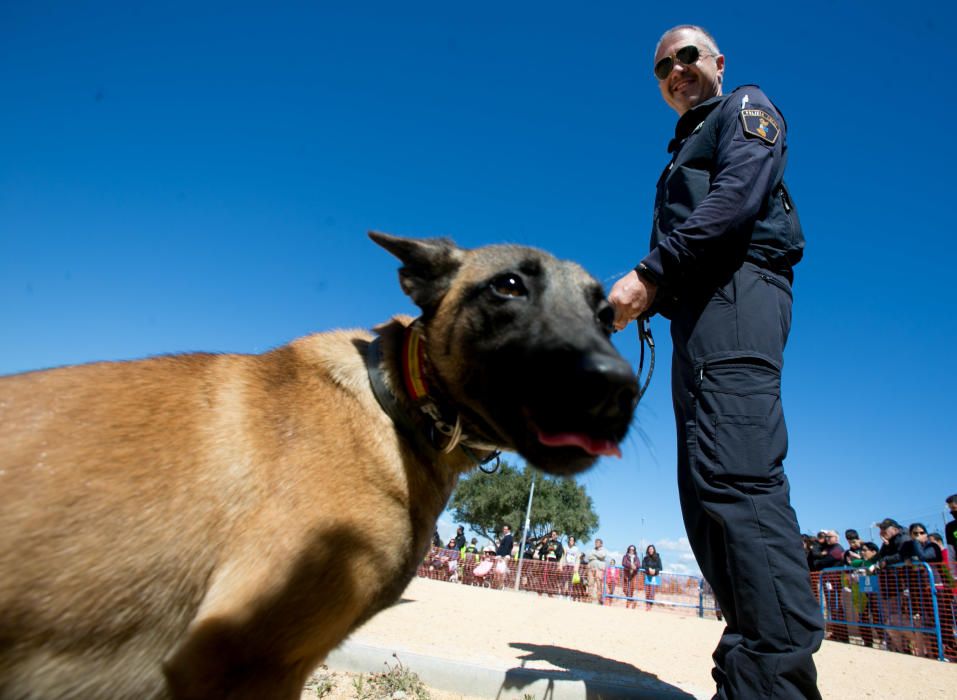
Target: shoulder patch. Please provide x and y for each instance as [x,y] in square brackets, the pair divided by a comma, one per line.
[757,122]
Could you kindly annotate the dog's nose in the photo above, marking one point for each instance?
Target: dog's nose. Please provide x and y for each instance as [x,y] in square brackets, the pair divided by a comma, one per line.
[609,387]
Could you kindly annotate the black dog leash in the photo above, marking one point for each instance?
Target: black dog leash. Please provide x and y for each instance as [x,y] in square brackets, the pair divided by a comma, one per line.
[645,337]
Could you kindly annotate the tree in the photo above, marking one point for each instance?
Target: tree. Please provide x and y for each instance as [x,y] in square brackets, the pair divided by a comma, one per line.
[485,501]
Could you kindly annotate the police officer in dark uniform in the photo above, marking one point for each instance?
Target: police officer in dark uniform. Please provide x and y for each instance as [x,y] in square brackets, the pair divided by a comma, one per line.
[724,241]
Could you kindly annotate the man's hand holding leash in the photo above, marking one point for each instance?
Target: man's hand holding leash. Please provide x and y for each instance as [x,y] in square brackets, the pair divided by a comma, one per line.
[631,296]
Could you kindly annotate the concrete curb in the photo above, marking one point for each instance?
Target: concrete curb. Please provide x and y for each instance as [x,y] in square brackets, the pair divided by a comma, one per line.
[506,682]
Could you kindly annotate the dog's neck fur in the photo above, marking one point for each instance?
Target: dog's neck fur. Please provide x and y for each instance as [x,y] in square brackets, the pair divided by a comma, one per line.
[405,386]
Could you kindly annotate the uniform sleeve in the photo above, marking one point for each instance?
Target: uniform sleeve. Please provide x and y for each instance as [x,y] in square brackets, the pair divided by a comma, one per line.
[750,143]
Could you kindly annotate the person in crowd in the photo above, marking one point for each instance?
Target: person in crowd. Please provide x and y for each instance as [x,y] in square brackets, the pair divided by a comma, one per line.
[504,548]
[893,584]
[436,539]
[817,548]
[892,536]
[920,547]
[471,555]
[950,529]
[460,541]
[597,561]
[611,582]
[580,580]
[945,553]
[832,553]
[651,563]
[853,551]
[569,565]
[550,553]
[630,565]
[869,603]
[831,556]
[946,585]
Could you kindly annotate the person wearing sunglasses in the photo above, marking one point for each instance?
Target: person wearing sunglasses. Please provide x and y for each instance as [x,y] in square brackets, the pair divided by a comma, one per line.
[920,547]
[725,238]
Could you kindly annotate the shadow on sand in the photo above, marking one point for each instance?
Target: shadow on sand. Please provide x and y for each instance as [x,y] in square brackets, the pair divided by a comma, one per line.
[603,678]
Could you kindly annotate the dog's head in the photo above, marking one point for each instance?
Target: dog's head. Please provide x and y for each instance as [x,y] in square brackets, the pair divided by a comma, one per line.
[519,342]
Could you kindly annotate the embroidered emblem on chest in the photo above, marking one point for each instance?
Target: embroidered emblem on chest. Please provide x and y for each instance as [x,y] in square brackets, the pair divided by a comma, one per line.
[757,122]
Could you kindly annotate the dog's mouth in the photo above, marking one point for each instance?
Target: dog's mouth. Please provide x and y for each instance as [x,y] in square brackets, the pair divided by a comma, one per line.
[597,447]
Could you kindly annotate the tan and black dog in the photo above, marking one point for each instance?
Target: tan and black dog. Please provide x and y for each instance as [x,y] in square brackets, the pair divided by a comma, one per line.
[211,526]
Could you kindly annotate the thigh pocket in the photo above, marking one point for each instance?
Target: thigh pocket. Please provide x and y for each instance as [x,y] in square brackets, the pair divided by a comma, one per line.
[740,429]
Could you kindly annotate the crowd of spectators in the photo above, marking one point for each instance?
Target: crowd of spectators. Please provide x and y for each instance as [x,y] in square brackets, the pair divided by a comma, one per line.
[551,567]
[894,609]
[898,545]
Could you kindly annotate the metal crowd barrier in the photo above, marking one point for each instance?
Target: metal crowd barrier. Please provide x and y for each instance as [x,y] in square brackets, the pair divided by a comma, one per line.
[908,608]
[578,583]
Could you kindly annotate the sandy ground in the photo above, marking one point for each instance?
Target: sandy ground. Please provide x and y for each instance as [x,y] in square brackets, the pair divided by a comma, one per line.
[507,630]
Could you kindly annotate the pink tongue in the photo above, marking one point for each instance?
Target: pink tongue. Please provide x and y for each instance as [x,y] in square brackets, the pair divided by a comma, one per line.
[590,445]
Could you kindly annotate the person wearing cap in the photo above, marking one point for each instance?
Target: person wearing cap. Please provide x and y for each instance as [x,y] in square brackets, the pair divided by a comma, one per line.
[892,536]
[725,238]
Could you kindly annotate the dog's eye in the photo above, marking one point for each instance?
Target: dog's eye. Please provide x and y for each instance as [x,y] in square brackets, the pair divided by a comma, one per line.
[509,285]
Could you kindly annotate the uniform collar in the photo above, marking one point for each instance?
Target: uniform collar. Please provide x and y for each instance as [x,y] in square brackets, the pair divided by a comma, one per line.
[692,118]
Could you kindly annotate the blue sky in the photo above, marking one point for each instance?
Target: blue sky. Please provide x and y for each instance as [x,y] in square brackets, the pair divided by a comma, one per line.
[200,176]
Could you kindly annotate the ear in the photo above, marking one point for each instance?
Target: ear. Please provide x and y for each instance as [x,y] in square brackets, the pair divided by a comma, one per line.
[429,265]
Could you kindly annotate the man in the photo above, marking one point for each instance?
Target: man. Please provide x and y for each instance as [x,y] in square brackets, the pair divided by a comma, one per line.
[950,529]
[724,240]
[505,545]
[892,536]
[832,554]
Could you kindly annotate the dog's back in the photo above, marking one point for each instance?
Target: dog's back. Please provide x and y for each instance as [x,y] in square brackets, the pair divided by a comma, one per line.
[170,466]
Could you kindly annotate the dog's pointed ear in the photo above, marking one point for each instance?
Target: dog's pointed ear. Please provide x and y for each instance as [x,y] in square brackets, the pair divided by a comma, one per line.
[428,266]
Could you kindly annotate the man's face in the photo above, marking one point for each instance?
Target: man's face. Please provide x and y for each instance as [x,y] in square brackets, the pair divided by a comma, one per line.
[953,507]
[832,539]
[854,543]
[688,86]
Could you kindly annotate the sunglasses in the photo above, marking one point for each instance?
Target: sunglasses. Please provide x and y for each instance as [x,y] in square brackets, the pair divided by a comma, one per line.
[686,56]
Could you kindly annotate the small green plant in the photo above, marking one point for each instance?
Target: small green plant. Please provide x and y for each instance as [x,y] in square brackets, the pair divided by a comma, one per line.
[395,681]
[528,696]
[322,683]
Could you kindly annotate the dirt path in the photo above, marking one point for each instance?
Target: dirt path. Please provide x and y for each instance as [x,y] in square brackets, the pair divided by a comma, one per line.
[523,634]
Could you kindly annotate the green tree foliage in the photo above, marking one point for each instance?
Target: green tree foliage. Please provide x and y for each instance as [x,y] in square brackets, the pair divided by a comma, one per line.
[485,501]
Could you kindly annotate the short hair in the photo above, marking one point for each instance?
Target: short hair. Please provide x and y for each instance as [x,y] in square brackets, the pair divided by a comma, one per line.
[851,535]
[870,546]
[951,498]
[913,525]
[709,40]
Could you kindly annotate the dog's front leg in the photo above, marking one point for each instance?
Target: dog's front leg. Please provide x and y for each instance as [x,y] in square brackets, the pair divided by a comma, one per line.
[217,662]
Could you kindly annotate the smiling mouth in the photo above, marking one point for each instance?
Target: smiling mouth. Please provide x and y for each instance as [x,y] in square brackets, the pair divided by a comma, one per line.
[597,447]
[682,84]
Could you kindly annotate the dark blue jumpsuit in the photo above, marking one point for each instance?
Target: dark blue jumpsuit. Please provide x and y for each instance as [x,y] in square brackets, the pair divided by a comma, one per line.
[724,241]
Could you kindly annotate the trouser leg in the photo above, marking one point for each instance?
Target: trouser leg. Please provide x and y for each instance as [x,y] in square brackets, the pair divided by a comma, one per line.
[735,497]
